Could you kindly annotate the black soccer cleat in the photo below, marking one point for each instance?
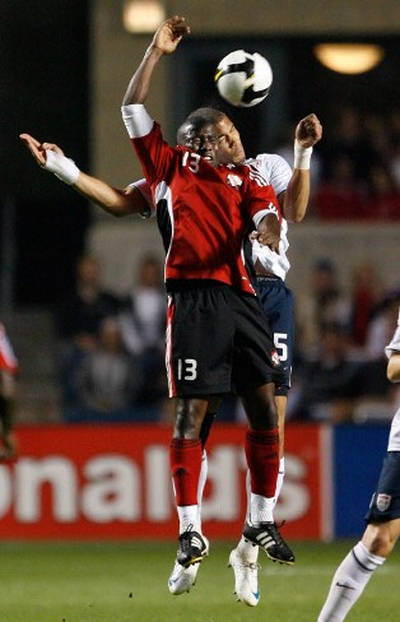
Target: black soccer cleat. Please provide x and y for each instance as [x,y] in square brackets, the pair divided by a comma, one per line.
[268,538]
[193,547]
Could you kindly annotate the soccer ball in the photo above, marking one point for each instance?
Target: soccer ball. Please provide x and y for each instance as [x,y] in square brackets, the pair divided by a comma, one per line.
[243,79]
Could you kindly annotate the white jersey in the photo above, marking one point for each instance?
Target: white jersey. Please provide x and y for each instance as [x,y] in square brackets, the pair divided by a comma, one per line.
[277,173]
[394,436]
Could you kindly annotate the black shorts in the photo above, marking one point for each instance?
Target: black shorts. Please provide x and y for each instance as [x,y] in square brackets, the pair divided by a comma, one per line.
[385,502]
[217,336]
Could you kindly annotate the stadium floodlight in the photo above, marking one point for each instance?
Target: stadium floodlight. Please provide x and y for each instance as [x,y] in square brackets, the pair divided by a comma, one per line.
[349,58]
[140,16]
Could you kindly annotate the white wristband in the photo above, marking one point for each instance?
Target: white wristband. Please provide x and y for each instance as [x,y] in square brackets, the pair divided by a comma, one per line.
[302,156]
[62,167]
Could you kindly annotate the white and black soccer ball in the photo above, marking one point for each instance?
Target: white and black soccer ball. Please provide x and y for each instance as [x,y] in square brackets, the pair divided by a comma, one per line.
[243,79]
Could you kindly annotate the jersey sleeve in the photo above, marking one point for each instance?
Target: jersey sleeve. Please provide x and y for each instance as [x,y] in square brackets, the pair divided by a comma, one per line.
[260,200]
[280,172]
[154,153]
[394,346]
[144,189]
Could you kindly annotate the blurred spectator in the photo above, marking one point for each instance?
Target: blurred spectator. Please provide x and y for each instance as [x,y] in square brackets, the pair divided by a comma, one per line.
[142,325]
[381,326]
[329,381]
[80,316]
[8,393]
[364,297]
[108,380]
[339,197]
[322,304]
[349,141]
[383,201]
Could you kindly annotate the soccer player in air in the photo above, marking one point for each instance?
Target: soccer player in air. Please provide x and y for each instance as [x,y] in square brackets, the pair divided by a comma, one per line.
[271,267]
[8,372]
[383,518]
[216,329]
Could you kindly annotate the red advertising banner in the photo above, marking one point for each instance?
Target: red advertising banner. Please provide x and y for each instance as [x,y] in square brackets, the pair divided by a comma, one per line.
[112,482]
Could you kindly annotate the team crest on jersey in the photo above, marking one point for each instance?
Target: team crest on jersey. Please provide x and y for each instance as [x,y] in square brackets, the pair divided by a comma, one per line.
[234,180]
[383,501]
[275,358]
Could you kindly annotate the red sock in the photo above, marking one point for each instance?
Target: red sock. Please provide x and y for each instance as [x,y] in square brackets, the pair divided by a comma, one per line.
[185,463]
[262,453]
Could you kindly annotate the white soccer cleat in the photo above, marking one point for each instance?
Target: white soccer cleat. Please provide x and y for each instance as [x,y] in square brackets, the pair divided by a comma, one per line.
[182,579]
[246,579]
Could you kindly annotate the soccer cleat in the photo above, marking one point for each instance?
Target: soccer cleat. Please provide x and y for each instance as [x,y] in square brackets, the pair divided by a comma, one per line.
[182,579]
[267,537]
[193,547]
[246,579]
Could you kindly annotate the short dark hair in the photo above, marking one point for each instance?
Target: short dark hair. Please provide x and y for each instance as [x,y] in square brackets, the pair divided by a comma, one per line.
[196,120]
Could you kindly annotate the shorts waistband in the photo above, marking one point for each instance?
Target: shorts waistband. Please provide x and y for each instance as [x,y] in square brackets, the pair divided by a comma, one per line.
[268,277]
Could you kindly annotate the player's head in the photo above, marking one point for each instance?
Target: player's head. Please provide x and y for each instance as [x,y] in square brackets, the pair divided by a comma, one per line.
[209,121]
[198,133]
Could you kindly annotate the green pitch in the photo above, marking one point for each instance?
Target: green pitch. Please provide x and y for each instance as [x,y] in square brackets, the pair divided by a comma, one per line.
[126,582]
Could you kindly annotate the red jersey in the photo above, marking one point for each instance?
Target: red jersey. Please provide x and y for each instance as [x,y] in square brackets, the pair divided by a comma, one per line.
[203,212]
[8,361]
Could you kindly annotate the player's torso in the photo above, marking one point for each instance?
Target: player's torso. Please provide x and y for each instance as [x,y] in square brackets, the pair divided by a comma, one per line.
[275,172]
[201,219]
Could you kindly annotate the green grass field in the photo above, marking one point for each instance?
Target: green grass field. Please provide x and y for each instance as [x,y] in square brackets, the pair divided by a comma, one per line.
[126,582]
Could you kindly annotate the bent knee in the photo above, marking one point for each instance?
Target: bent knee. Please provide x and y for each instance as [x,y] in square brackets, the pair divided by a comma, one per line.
[379,540]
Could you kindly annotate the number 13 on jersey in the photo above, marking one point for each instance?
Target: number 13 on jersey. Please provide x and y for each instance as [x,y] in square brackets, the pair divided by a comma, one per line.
[187,369]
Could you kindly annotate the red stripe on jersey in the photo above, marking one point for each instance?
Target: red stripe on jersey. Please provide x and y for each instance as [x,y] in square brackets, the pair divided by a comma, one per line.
[8,361]
[168,348]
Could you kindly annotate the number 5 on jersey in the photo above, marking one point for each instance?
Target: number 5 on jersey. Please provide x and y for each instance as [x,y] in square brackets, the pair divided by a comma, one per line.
[187,369]
[280,340]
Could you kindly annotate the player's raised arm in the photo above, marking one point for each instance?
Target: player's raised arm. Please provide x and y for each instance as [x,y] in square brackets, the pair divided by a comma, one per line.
[393,352]
[165,41]
[297,195]
[112,200]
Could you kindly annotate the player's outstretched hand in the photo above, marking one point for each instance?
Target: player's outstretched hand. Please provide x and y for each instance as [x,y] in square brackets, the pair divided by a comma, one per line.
[37,149]
[170,33]
[309,130]
[269,232]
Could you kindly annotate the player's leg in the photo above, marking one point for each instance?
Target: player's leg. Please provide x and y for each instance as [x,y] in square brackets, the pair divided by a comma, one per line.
[262,454]
[186,461]
[193,350]
[379,538]
[278,303]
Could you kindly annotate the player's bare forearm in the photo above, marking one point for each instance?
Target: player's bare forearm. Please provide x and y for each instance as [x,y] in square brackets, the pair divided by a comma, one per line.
[393,368]
[139,85]
[112,200]
[165,41]
[296,196]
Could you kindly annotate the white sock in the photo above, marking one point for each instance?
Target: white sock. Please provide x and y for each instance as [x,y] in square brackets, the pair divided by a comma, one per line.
[188,518]
[202,482]
[261,509]
[279,480]
[348,583]
[247,550]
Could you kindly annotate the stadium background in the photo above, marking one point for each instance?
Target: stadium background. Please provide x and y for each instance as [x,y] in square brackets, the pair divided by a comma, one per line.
[65,66]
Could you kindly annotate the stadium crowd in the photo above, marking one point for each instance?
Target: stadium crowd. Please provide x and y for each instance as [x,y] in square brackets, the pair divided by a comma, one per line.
[112,349]
[356,169]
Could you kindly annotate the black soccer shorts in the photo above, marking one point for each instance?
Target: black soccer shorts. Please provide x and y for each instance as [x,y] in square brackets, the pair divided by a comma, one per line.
[217,336]
[385,502]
